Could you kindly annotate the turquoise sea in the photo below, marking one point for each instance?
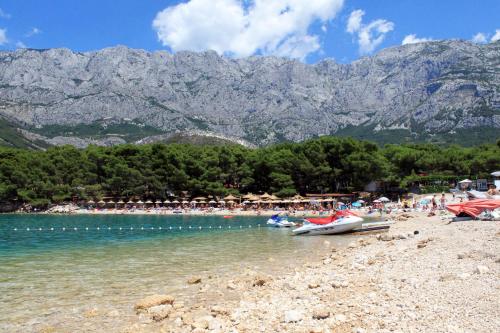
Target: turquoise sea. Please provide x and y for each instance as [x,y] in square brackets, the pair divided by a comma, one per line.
[54,268]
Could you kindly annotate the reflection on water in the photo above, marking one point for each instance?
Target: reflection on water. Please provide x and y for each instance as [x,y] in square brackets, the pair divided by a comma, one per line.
[47,275]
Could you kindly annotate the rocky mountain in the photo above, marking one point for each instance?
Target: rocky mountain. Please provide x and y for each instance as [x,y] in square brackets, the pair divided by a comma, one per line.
[441,91]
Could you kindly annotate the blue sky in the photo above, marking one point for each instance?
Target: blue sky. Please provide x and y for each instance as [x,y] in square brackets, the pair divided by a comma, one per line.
[306,29]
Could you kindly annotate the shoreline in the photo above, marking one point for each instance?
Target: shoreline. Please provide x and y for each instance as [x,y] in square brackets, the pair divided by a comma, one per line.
[382,282]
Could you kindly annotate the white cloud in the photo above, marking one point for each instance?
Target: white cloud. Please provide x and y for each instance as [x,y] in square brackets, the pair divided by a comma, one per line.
[479,38]
[413,39]
[243,28]
[371,35]
[20,45]
[4,14]
[354,22]
[496,36]
[34,31]
[3,36]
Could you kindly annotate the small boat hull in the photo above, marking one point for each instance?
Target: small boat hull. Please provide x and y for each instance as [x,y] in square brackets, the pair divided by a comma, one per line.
[339,226]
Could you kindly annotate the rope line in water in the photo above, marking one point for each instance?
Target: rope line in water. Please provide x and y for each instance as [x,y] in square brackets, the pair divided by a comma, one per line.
[142,228]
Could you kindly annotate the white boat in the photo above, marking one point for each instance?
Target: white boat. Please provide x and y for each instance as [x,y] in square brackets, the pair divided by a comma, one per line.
[341,222]
[279,222]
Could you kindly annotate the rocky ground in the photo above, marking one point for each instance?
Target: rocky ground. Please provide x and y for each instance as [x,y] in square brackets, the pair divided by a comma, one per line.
[424,275]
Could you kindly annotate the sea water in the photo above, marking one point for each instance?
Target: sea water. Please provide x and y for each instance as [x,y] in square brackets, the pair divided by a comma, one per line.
[54,268]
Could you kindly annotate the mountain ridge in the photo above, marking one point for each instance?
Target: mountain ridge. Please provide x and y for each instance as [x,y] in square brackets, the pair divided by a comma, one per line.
[420,91]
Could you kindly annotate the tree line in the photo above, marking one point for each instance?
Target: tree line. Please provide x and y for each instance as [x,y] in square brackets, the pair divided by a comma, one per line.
[157,171]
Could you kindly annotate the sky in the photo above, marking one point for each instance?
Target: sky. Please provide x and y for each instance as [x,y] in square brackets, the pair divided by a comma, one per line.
[308,30]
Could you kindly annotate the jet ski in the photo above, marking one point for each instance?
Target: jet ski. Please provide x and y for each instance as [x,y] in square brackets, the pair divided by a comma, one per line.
[279,222]
[340,222]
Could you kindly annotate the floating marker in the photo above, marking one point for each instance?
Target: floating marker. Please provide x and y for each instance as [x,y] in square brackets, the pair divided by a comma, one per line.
[170,228]
[109,228]
[142,228]
[87,228]
[39,229]
[63,229]
[15,229]
[51,229]
[159,228]
[120,228]
[131,228]
[189,227]
[27,229]
[229,227]
[199,227]
[75,229]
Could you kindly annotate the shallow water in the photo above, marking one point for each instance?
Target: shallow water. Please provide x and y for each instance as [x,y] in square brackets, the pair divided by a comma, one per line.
[75,263]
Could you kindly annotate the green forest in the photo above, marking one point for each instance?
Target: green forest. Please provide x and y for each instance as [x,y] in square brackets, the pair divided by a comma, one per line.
[157,171]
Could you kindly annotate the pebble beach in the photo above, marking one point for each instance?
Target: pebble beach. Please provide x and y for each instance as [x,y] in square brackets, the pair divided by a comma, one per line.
[424,275]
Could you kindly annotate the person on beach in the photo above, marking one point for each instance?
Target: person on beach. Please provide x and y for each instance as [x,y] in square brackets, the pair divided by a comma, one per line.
[442,201]
[434,203]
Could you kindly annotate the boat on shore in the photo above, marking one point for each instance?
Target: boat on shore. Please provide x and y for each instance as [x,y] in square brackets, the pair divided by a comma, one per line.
[280,222]
[340,222]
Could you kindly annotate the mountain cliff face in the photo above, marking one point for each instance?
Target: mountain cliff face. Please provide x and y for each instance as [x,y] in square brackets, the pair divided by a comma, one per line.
[411,92]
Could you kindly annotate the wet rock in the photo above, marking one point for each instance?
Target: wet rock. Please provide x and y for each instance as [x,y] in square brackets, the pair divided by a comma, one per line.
[320,314]
[91,313]
[481,269]
[421,245]
[194,280]
[293,316]
[153,300]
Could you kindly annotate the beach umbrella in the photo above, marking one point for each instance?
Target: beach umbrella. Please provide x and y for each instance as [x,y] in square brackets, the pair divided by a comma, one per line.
[361,201]
[222,202]
[465,181]
[175,202]
[248,196]
[356,204]
[149,202]
[101,202]
[296,201]
[193,202]
[158,202]
[111,202]
[166,202]
[230,202]
[273,197]
[91,202]
[130,202]
[185,201]
[246,202]
[377,201]
[265,196]
[203,202]
[121,202]
[140,202]
[212,202]
[383,199]
[496,174]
